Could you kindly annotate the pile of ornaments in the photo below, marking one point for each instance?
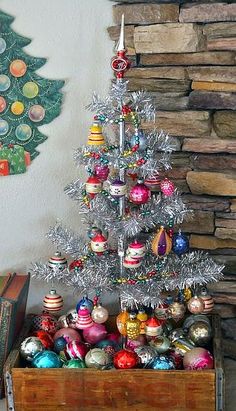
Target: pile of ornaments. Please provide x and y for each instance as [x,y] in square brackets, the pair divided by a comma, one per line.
[162,339]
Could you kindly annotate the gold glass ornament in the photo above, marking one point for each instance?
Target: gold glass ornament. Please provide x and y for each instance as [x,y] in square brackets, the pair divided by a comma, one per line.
[142,316]
[162,243]
[121,321]
[195,305]
[132,327]
[200,333]
[187,294]
[177,311]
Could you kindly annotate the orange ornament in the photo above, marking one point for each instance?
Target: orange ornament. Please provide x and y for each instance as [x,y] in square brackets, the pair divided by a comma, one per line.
[162,243]
[121,322]
[18,68]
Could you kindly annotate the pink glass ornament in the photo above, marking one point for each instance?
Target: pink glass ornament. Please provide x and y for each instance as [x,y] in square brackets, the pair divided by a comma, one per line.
[84,319]
[198,359]
[140,341]
[101,172]
[76,349]
[167,187]
[139,194]
[68,333]
[95,333]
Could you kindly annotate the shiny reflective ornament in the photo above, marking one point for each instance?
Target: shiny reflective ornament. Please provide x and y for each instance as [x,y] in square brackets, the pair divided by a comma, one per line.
[139,141]
[153,327]
[99,314]
[194,318]
[176,334]
[161,362]
[17,68]
[3,104]
[36,113]
[95,333]
[46,322]
[59,344]
[84,319]
[198,359]
[167,187]
[4,82]
[17,108]
[93,231]
[140,341]
[62,321]
[23,132]
[93,186]
[121,321]
[161,344]
[161,311]
[76,349]
[195,305]
[110,347]
[97,358]
[86,303]
[182,346]
[177,311]
[30,347]
[161,243]
[146,354]
[3,45]
[95,137]
[30,89]
[99,244]
[46,359]
[71,318]
[74,363]
[4,127]
[208,301]
[118,188]
[142,317]
[200,333]
[68,333]
[57,262]
[130,262]
[177,358]
[101,172]
[136,250]
[187,294]
[52,302]
[132,326]
[139,193]
[45,339]
[180,243]
[126,359]
[153,182]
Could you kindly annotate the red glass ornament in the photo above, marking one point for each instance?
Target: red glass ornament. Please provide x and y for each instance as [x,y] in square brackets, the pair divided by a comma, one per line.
[45,322]
[76,264]
[126,359]
[139,194]
[76,349]
[167,187]
[101,172]
[45,339]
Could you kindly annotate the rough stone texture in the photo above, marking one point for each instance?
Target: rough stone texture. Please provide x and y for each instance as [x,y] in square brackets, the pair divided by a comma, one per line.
[199,145]
[220,36]
[226,223]
[182,186]
[180,159]
[170,101]
[184,123]
[222,44]
[159,85]
[229,328]
[229,261]
[169,38]
[224,123]
[174,73]
[114,32]
[202,222]
[146,13]
[233,205]
[222,287]
[212,100]
[226,233]
[213,162]
[216,73]
[224,299]
[225,310]
[205,203]
[207,242]
[212,183]
[213,86]
[207,12]
[189,59]
[177,172]
[229,216]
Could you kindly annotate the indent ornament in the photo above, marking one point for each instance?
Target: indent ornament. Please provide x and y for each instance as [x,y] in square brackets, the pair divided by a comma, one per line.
[162,243]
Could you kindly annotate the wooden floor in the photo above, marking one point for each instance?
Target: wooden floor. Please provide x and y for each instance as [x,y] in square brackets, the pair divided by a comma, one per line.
[230,371]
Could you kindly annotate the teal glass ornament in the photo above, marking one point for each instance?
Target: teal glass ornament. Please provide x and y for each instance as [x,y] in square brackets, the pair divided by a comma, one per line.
[4,127]
[46,359]
[161,362]
[74,363]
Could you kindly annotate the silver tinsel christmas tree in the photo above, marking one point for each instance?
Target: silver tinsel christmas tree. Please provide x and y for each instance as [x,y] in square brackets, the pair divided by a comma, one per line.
[129,206]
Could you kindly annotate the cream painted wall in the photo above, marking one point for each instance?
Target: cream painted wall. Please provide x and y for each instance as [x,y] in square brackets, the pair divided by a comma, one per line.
[72,35]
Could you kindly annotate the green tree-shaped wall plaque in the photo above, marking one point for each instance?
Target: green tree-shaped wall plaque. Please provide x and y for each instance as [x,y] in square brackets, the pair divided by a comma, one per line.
[27,101]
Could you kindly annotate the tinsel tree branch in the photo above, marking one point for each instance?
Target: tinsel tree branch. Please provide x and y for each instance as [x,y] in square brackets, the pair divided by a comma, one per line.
[67,241]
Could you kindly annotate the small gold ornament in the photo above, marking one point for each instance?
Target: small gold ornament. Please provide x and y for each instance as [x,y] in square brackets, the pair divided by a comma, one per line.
[177,311]
[187,294]
[162,243]
[96,137]
[142,316]
[121,321]
[132,326]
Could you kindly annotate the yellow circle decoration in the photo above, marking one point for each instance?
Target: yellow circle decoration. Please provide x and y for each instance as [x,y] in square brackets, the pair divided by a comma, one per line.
[30,89]
[17,108]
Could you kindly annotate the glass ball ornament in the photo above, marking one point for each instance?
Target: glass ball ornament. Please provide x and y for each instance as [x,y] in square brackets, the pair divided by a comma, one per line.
[5,82]
[136,250]
[207,300]
[153,327]
[182,345]
[76,349]
[84,319]
[126,359]
[99,244]
[59,344]
[161,311]
[74,363]
[72,318]
[3,45]
[177,311]
[45,338]
[85,302]
[131,263]
[139,140]
[93,231]
[161,362]
[167,187]
[99,314]
[62,321]
[30,89]
[57,262]
[52,302]
[101,172]
[17,68]
[3,104]
[198,359]
[191,319]
[97,358]
[153,182]
[200,333]
[139,193]
[95,333]
[30,347]
[146,354]
[46,322]
[68,333]
[23,132]
[195,305]
[36,113]
[4,127]
[161,344]
[93,186]
[110,347]
[142,317]
[46,359]
[161,243]
[121,319]
[17,108]
[180,243]
[132,326]
[140,341]
[118,188]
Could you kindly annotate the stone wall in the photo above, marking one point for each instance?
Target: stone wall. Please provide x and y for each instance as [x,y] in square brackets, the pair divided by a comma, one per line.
[185,56]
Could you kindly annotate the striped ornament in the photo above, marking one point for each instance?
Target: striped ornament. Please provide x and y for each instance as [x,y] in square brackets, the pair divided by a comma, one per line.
[208,302]
[57,262]
[52,302]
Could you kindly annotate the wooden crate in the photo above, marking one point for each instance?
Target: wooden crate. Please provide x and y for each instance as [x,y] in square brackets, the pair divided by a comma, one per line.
[64,389]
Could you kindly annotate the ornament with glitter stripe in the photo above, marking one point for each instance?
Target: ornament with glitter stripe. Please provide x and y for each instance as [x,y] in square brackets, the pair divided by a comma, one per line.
[131,263]
[99,244]
[118,188]
[76,349]
[136,250]
[57,262]
[161,243]
[153,327]
[52,302]
[153,182]
[167,187]
[84,319]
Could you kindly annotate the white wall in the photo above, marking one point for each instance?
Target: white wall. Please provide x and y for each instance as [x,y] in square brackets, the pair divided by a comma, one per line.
[72,35]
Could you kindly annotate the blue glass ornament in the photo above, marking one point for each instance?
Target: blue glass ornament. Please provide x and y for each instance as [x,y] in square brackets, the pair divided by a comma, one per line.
[2,45]
[180,243]
[46,359]
[139,139]
[162,362]
[59,344]
[4,127]
[85,302]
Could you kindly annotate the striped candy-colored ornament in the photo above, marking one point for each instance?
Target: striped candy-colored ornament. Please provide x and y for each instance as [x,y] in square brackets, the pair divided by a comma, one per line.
[52,302]
[76,349]
[208,302]
[57,261]
[162,243]
[93,186]
[130,262]
[84,319]
[96,137]
[136,250]
[153,183]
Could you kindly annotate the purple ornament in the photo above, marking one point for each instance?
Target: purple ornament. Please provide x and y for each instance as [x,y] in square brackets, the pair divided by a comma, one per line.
[118,188]
[162,244]
[101,172]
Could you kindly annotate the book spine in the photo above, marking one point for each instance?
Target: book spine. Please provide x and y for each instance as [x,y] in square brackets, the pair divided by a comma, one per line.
[5,319]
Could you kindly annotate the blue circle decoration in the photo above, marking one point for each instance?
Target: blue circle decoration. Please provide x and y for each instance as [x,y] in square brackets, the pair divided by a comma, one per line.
[4,127]
[23,132]
[5,82]
[3,45]
[49,359]
[161,362]
[85,302]
[180,243]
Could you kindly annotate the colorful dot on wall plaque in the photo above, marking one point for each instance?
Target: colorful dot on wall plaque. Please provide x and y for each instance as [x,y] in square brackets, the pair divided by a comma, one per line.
[4,82]
[36,113]
[3,104]
[18,68]
[4,127]
[17,108]
[30,89]
[23,132]
[2,45]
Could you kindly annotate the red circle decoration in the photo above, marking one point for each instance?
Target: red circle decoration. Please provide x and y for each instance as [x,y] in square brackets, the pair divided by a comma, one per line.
[3,104]
[18,68]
